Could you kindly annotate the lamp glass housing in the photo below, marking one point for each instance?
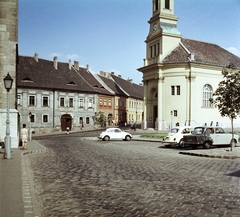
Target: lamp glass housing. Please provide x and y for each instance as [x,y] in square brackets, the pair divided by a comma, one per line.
[8,82]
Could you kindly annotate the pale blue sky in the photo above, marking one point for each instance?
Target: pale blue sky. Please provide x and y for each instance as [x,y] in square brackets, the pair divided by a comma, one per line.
[109,35]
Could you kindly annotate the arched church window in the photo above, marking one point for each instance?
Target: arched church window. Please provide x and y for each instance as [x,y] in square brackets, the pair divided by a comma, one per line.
[207,94]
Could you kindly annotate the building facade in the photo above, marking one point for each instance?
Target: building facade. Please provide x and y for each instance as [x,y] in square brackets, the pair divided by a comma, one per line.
[8,59]
[180,75]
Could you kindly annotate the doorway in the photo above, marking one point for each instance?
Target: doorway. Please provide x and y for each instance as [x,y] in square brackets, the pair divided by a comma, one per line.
[66,121]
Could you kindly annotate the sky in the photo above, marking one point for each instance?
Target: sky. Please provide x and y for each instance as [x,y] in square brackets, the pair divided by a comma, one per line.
[109,35]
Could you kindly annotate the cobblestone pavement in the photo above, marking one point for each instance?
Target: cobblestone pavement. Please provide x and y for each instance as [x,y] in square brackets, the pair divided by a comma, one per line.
[78,177]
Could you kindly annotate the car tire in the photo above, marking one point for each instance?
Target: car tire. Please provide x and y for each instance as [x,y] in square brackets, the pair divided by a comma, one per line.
[181,144]
[234,143]
[127,138]
[106,138]
[207,145]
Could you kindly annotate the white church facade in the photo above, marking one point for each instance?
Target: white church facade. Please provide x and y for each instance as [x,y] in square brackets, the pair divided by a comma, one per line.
[180,75]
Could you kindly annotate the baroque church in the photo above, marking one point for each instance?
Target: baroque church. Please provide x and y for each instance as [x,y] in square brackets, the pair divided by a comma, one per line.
[180,74]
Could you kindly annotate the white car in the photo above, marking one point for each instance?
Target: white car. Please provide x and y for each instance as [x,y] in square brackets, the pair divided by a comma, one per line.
[115,133]
[175,136]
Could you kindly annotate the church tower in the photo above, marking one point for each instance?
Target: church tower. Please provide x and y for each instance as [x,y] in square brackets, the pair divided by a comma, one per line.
[163,34]
[162,39]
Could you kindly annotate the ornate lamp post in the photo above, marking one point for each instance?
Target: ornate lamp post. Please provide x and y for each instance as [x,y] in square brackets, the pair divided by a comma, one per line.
[30,131]
[8,86]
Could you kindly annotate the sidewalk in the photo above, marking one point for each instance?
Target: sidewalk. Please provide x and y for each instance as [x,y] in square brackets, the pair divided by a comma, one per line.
[15,199]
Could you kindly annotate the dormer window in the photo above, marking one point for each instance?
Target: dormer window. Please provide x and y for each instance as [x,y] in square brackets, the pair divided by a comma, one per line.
[27,79]
[71,83]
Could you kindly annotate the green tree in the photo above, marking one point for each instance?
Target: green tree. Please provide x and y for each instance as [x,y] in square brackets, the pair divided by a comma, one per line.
[227,96]
[100,118]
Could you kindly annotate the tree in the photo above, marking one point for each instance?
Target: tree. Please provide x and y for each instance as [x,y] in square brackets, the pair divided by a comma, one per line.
[227,96]
[100,118]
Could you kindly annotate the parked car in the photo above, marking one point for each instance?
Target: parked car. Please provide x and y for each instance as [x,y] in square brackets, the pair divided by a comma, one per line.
[207,136]
[175,136]
[115,133]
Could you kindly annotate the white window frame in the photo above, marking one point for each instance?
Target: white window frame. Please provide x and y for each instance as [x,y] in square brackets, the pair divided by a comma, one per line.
[207,94]
[29,100]
[43,101]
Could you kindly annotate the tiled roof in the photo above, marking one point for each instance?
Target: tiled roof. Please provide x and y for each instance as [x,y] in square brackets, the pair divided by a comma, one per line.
[205,53]
[89,77]
[113,86]
[41,74]
[134,90]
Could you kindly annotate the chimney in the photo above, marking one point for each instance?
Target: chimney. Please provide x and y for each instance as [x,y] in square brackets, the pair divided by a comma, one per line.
[36,57]
[119,76]
[69,64]
[87,67]
[76,65]
[55,64]
[112,73]
[130,80]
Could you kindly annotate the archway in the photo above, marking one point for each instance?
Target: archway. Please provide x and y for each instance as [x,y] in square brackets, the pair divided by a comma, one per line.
[66,121]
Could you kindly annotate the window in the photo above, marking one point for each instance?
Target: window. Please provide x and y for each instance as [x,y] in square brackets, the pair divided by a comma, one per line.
[156,5]
[109,102]
[178,90]
[87,120]
[90,103]
[116,102]
[70,102]
[81,102]
[100,101]
[167,4]
[80,120]
[32,119]
[175,90]
[207,94]
[45,101]
[31,101]
[62,102]
[175,113]
[19,99]
[45,118]
[105,102]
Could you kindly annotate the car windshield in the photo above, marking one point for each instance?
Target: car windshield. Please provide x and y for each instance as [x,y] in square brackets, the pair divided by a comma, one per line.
[198,130]
[174,130]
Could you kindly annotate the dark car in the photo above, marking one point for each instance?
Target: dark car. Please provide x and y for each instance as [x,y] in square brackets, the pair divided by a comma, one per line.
[207,136]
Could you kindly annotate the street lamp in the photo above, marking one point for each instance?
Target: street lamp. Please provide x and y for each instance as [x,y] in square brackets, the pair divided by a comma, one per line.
[30,131]
[171,118]
[8,86]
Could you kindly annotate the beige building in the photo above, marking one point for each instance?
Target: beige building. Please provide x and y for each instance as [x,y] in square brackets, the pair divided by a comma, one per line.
[180,74]
[8,51]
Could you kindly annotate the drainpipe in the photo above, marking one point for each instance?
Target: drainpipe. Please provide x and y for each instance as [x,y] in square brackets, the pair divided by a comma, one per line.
[190,96]
[53,109]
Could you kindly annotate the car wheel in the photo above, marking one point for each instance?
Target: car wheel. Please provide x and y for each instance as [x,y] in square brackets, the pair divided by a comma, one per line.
[106,138]
[207,145]
[181,144]
[127,138]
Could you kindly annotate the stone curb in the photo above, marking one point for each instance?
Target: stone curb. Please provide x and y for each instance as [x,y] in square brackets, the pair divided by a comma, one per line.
[210,156]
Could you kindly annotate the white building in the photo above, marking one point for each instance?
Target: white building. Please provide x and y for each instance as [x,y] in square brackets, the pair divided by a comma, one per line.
[180,74]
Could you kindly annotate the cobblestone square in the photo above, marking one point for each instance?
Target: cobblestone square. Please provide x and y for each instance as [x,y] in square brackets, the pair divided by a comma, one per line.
[80,177]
